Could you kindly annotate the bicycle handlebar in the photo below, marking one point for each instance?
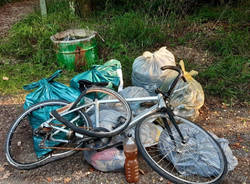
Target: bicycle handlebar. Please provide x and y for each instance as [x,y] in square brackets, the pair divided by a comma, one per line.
[180,75]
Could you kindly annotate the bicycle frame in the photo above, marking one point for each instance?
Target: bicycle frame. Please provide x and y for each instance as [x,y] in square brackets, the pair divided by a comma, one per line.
[161,104]
[96,104]
[161,99]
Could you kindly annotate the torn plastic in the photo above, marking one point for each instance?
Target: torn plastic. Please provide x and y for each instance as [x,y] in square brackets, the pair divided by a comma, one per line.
[232,161]
[195,160]
[111,159]
[147,71]
[187,97]
[150,133]
[108,72]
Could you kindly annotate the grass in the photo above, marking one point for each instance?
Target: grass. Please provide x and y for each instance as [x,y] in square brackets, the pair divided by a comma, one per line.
[223,31]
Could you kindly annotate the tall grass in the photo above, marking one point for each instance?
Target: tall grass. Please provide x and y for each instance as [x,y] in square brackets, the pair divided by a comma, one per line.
[131,27]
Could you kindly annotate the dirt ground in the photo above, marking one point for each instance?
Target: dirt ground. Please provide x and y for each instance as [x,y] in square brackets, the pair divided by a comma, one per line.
[10,13]
[232,123]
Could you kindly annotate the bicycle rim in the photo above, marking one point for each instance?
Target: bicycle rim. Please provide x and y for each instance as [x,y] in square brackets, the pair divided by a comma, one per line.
[105,108]
[20,146]
[169,160]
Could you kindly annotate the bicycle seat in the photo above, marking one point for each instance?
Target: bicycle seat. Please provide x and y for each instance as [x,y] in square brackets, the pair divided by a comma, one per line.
[84,84]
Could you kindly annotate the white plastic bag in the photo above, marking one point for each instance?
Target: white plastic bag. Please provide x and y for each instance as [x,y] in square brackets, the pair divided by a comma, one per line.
[135,92]
[187,97]
[147,71]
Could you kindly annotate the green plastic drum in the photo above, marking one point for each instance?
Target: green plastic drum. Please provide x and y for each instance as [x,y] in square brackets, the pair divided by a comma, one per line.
[75,48]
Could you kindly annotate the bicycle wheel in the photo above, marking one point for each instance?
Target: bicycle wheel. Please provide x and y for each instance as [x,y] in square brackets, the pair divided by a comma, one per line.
[106,108]
[199,160]
[22,147]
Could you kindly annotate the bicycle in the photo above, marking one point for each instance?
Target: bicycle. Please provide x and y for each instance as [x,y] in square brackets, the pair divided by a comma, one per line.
[70,128]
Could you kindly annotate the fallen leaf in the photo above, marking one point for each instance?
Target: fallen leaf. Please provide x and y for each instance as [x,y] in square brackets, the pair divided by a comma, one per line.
[86,174]
[237,145]
[5,164]
[141,171]
[49,179]
[19,143]
[58,179]
[91,169]
[67,180]
[2,169]
[77,175]
[5,78]
[6,175]
[240,139]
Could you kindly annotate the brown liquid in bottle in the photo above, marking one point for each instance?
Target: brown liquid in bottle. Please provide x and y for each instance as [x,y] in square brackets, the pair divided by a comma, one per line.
[131,162]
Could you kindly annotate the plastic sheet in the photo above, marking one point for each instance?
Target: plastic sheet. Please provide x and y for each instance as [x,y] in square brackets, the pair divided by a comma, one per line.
[147,71]
[187,97]
[232,161]
[194,161]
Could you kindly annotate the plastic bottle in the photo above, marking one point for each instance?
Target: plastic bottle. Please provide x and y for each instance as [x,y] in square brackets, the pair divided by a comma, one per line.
[131,163]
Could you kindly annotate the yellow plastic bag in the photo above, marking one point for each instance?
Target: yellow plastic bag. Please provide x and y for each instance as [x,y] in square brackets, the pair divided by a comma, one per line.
[187,97]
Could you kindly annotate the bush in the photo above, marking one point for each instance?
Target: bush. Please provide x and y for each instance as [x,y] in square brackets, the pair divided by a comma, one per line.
[155,7]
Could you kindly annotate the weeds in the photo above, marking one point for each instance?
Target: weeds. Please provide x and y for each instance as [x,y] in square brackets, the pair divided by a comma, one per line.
[129,31]
[228,78]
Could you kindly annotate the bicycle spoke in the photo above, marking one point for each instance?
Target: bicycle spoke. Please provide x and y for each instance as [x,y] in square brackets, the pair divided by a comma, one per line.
[170,155]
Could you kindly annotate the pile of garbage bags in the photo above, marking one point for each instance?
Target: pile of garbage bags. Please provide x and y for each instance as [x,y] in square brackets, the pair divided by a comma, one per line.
[147,71]
[186,99]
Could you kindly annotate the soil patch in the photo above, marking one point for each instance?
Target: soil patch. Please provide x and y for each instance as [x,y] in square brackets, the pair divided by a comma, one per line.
[13,12]
[232,123]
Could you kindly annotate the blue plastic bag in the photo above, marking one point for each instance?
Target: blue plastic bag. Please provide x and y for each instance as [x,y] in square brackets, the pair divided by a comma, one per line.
[108,72]
[47,89]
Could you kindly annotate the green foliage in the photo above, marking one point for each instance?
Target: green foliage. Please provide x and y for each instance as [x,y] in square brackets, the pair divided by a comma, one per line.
[24,73]
[131,27]
[135,30]
[29,39]
[229,43]
[228,78]
[154,7]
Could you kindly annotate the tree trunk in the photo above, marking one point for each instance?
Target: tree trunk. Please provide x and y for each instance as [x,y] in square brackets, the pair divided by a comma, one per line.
[84,7]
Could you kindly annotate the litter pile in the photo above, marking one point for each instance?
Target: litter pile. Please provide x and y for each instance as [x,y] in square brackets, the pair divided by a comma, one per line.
[186,99]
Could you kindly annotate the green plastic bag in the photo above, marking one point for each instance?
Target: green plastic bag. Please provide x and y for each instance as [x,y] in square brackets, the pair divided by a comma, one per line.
[47,89]
[108,72]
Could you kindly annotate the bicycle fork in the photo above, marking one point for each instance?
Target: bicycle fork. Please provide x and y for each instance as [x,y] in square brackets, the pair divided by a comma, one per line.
[171,118]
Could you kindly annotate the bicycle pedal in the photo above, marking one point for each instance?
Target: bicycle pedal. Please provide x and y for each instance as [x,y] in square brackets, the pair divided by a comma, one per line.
[121,120]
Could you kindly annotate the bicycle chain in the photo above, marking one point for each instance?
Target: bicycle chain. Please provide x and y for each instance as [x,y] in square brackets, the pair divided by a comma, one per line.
[65,148]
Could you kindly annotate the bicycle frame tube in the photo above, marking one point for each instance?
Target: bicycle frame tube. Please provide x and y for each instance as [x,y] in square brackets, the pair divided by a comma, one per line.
[160,103]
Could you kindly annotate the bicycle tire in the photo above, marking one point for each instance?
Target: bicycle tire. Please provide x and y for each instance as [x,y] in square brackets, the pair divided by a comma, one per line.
[163,168]
[22,124]
[113,132]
